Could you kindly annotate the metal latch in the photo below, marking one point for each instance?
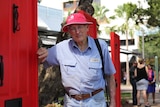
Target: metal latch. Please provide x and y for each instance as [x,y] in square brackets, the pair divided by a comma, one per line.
[16,26]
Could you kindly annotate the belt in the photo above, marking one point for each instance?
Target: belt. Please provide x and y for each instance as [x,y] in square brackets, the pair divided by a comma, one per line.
[84,96]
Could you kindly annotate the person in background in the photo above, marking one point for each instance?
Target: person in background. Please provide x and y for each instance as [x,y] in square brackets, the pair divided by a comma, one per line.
[86,7]
[133,82]
[87,10]
[81,65]
[124,77]
[142,81]
[152,83]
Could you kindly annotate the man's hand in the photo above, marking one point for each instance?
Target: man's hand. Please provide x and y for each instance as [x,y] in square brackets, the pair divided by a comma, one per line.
[112,105]
[42,54]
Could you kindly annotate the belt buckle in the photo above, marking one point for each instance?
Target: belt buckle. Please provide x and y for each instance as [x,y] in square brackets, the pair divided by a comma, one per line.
[90,94]
[79,97]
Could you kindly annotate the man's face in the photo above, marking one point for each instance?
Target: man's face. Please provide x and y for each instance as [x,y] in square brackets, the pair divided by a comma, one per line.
[78,32]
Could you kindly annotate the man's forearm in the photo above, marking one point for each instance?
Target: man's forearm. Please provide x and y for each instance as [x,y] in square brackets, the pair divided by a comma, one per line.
[112,88]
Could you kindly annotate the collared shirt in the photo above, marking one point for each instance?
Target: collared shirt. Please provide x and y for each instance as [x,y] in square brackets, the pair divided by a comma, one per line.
[81,70]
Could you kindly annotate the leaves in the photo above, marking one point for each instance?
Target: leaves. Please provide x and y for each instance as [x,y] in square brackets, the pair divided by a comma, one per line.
[154,12]
[126,10]
[54,105]
[100,13]
[152,46]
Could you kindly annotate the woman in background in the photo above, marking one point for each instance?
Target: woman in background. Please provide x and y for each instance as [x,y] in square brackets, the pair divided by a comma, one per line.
[142,81]
[152,81]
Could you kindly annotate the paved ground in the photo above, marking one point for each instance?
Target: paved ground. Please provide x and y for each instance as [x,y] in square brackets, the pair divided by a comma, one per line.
[125,88]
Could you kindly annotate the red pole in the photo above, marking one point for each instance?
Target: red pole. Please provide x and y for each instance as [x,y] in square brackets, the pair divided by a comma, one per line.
[115,53]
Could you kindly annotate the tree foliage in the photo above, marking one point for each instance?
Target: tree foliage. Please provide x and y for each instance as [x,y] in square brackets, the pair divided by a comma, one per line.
[125,12]
[154,12]
[100,13]
[151,45]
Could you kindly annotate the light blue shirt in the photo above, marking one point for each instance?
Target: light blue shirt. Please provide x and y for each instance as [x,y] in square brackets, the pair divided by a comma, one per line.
[81,70]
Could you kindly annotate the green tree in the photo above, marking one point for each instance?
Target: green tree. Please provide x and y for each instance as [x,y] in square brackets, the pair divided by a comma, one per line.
[100,13]
[100,16]
[154,12]
[151,47]
[125,12]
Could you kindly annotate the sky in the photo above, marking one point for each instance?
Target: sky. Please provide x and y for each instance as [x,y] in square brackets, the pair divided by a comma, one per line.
[57,4]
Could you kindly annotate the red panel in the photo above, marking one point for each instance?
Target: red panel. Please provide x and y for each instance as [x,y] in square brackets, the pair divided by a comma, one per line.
[115,52]
[4,47]
[19,53]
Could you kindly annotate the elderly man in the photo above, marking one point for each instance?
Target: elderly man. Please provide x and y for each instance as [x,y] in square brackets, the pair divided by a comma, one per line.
[80,65]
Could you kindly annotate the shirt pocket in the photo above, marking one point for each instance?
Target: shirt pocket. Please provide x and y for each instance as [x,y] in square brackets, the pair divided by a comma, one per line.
[68,67]
[95,70]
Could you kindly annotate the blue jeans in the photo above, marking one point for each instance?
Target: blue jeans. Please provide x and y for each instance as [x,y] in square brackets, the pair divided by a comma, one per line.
[97,100]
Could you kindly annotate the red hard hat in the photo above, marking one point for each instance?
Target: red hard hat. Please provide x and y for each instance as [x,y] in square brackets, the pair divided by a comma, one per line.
[75,18]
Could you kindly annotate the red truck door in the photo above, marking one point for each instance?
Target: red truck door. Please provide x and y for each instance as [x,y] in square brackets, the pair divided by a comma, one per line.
[18,60]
